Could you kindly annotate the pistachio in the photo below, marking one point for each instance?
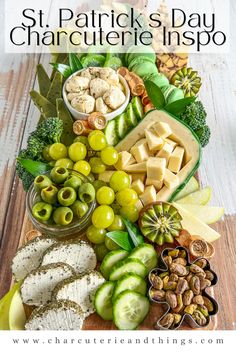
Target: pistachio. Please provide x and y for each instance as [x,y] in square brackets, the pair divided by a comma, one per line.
[171,299]
[203,309]
[167,320]
[167,260]
[180,261]
[196,269]
[171,285]
[204,283]
[202,263]
[173,253]
[180,305]
[189,277]
[209,275]
[199,318]
[188,297]
[173,277]
[158,295]
[165,281]
[178,269]
[201,275]
[190,309]
[182,254]
[177,318]
[156,281]
[208,303]
[182,285]
[195,285]
[163,274]
[198,299]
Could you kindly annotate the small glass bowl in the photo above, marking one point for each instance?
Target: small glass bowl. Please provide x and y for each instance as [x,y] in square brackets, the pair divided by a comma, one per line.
[76,227]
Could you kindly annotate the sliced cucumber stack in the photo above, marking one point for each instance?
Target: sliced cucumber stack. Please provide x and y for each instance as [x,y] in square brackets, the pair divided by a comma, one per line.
[103,300]
[127,266]
[130,309]
[131,117]
[146,254]
[111,133]
[137,107]
[130,281]
[121,125]
[110,260]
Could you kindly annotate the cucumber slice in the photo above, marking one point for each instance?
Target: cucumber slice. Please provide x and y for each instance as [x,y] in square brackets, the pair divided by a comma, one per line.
[137,107]
[146,254]
[130,309]
[103,300]
[131,117]
[128,266]
[110,260]
[121,125]
[111,134]
[130,281]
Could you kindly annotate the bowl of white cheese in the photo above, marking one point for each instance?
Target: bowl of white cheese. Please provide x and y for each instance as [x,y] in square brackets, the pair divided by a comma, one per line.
[96,89]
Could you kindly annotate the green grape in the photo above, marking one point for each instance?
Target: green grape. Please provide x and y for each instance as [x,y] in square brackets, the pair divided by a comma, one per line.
[101,250]
[119,180]
[77,151]
[103,217]
[65,162]
[46,154]
[98,184]
[82,139]
[105,195]
[130,212]
[97,140]
[111,245]
[117,224]
[109,155]
[83,167]
[126,197]
[97,166]
[95,235]
[91,177]
[58,151]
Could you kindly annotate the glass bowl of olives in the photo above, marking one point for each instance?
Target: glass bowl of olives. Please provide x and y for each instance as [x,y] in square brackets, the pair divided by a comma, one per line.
[61,202]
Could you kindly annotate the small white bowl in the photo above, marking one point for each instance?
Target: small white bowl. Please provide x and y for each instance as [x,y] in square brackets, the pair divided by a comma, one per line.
[80,115]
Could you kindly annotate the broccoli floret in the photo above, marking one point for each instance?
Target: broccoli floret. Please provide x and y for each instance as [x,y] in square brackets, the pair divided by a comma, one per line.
[35,146]
[26,178]
[204,134]
[194,115]
[50,130]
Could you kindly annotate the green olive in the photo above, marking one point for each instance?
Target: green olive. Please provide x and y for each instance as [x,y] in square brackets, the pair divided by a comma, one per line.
[49,194]
[66,196]
[42,211]
[98,184]
[73,182]
[42,181]
[79,208]
[63,216]
[91,177]
[87,193]
[59,174]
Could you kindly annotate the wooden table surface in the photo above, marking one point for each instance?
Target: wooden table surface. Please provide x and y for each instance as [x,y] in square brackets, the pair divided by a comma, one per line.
[18,117]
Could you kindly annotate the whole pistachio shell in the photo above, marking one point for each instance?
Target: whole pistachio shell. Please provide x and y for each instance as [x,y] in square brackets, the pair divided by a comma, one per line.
[195,285]
[156,281]
[198,299]
[171,299]
[182,286]
[158,295]
[167,320]
[178,269]
[208,303]
[188,297]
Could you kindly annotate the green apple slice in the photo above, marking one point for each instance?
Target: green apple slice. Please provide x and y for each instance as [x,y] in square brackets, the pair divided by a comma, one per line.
[200,197]
[191,186]
[17,317]
[5,303]
[195,226]
[206,214]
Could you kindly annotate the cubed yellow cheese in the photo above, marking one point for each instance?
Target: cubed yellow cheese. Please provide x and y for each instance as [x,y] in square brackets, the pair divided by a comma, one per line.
[124,158]
[156,168]
[140,152]
[149,195]
[163,194]
[166,151]
[139,205]
[137,167]
[155,143]
[170,179]
[162,129]
[138,186]
[141,176]
[171,142]
[176,159]
[154,182]
[140,142]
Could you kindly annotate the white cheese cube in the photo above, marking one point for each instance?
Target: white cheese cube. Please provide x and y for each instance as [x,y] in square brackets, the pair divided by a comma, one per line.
[141,176]
[171,142]
[170,179]
[155,143]
[138,186]
[140,152]
[162,129]
[166,151]
[149,195]
[176,159]
[153,182]
[137,167]
[124,158]
[140,142]
[139,205]
[156,168]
